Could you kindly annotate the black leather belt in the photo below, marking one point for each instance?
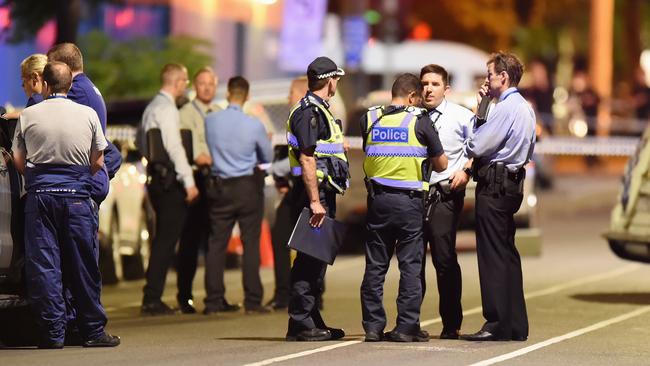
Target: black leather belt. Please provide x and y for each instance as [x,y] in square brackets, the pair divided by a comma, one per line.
[378,188]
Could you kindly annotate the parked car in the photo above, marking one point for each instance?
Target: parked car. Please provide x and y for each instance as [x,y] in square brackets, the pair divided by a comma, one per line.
[629,232]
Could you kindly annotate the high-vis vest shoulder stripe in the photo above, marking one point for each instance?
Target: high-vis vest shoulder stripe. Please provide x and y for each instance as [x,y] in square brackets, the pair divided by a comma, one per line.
[394,156]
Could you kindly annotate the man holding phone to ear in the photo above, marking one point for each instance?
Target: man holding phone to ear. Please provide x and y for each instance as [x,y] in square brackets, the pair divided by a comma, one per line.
[447,193]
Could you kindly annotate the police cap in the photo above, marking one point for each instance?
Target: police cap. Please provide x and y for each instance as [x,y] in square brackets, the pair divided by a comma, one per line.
[322,68]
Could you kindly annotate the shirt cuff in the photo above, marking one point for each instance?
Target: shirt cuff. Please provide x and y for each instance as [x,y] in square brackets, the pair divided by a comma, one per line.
[188,181]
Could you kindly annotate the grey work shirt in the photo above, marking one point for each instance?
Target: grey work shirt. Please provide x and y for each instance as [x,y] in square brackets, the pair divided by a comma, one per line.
[193,119]
[59,131]
[454,125]
[162,113]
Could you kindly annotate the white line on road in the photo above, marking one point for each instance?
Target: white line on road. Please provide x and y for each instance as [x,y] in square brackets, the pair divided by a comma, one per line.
[546,291]
[564,337]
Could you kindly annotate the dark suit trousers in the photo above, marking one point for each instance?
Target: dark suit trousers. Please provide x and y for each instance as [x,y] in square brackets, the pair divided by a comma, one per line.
[194,237]
[233,200]
[307,273]
[440,232]
[502,294]
[171,209]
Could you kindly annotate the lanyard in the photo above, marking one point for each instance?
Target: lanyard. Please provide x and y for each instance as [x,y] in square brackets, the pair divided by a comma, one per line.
[198,109]
[57,95]
[437,118]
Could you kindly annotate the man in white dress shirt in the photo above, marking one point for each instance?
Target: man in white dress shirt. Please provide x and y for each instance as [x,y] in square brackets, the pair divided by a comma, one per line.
[447,192]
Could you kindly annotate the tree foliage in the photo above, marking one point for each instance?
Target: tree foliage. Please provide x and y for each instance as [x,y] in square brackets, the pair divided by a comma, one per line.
[132,69]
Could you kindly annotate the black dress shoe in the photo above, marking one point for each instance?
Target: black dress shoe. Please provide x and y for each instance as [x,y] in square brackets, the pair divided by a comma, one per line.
[50,345]
[336,333]
[257,309]
[186,306]
[106,340]
[449,334]
[310,335]
[394,336]
[156,308]
[224,307]
[373,336]
[423,336]
[480,336]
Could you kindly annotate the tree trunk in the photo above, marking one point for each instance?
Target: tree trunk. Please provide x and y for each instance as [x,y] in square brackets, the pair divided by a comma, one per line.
[67,20]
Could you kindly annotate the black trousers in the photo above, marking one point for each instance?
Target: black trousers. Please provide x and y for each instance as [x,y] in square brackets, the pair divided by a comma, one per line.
[171,209]
[234,200]
[502,294]
[395,224]
[307,273]
[285,220]
[194,237]
[440,233]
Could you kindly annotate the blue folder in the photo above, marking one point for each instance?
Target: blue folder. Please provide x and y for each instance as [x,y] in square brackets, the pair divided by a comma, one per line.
[322,243]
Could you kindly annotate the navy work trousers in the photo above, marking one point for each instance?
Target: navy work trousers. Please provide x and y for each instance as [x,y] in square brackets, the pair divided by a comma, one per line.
[395,225]
[307,273]
[61,254]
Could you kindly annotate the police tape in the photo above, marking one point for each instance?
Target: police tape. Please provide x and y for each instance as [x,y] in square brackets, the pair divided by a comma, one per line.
[585,146]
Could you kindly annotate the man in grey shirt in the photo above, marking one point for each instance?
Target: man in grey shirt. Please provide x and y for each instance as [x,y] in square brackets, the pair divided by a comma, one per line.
[59,146]
[170,185]
[197,224]
[447,193]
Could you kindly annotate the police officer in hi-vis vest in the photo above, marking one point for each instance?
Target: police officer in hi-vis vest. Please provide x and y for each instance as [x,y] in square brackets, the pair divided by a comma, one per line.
[401,147]
[319,171]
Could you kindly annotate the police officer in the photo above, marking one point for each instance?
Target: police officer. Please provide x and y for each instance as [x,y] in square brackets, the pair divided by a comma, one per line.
[170,186]
[401,145]
[197,224]
[446,195]
[501,146]
[59,147]
[320,170]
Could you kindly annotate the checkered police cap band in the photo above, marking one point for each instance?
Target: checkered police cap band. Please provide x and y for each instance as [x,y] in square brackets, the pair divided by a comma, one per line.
[337,72]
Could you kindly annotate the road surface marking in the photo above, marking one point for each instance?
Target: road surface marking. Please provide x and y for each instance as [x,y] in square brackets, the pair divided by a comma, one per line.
[547,291]
[575,333]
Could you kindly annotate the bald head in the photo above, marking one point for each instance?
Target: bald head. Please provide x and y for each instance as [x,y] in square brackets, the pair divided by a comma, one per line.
[57,78]
[174,79]
[69,54]
[299,87]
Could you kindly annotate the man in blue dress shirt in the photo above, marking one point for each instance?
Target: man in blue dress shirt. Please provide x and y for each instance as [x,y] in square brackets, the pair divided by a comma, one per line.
[501,146]
[238,144]
[447,192]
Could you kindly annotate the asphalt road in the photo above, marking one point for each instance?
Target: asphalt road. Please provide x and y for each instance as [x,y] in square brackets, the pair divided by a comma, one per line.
[585,306]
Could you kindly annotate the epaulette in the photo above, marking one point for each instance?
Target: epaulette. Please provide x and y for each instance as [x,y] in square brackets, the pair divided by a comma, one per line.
[305,103]
[414,110]
[376,107]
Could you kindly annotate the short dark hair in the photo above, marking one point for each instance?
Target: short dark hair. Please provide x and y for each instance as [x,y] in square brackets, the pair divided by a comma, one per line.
[317,84]
[58,76]
[405,84]
[69,54]
[238,87]
[435,69]
[509,63]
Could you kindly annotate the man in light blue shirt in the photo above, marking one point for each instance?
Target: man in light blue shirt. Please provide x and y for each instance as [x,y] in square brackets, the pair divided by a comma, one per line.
[501,146]
[447,192]
[238,144]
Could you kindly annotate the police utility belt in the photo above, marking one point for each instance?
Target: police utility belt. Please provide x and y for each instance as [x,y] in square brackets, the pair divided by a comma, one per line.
[375,188]
[498,179]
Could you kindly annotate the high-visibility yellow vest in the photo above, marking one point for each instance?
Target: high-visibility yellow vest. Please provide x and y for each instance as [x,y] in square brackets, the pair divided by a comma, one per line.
[394,156]
[331,148]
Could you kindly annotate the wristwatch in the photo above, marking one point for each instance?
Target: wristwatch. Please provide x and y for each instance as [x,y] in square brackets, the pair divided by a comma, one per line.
[468,171]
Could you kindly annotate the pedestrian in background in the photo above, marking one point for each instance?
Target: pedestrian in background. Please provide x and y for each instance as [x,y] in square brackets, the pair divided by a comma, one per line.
[501,146]
[238,144]
[284,219]
[401,145]
[59,147]
[170,183]
[446,195]
[197,223]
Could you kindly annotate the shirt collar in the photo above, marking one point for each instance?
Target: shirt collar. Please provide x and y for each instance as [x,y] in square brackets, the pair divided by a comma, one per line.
[204,107]
[235,107]
[440,108]
[507,92]
[318,99]
[168,96]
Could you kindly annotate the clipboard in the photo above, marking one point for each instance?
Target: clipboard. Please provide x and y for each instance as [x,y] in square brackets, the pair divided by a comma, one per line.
[322,243]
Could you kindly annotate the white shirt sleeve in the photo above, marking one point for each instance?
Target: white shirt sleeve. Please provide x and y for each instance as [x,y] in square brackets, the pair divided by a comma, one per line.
[169,120]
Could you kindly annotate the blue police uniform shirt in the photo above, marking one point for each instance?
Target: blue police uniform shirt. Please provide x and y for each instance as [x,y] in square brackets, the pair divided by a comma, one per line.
[508,135]
[237,142]
[308,132]
[424,131]
[83,91]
